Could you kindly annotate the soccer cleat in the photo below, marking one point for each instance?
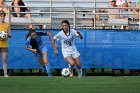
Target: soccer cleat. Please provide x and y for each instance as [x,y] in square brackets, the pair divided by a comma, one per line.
[80,73]
[6,76]
[49,75]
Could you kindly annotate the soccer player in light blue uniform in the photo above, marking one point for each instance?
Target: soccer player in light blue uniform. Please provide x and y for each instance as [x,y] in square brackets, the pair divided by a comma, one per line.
[69,50]
[35,44]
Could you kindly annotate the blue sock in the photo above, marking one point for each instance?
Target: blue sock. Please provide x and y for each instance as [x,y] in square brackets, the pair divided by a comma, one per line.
[44,68]
[48,69]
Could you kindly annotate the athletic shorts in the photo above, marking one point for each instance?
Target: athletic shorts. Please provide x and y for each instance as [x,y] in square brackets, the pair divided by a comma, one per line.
[3,49]
[74,54]
[42,48]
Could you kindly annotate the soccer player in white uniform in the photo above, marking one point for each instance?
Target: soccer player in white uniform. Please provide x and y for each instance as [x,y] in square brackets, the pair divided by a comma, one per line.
[69,50]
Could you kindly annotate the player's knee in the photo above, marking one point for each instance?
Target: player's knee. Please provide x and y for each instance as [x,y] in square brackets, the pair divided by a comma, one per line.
[45,62]
[4,60]
[72,64]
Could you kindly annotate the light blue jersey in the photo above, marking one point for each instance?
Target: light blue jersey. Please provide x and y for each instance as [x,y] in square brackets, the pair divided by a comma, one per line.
[41,45]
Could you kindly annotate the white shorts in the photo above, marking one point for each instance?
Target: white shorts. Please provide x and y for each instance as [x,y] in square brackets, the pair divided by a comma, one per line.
[74,54]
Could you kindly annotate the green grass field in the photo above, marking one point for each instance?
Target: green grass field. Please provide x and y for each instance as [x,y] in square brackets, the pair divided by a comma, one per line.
[58,84]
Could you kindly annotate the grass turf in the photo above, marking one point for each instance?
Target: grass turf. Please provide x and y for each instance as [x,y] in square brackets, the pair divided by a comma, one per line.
[94,84]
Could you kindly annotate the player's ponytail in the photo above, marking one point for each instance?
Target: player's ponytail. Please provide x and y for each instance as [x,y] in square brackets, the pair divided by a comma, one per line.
[30,32]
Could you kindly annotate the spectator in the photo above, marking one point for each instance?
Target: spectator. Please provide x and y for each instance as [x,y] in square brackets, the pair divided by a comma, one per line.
[129,5]
[116,11]
[113,5]
[4,7]
[19,11]
[16,8]
[121,4]
[4,26]
[136,10]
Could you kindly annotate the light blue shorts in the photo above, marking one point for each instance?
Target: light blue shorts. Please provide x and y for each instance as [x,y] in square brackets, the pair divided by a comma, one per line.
[42,48]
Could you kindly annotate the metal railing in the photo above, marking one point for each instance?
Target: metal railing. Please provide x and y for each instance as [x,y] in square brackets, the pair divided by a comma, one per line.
[84,17]
[79,17]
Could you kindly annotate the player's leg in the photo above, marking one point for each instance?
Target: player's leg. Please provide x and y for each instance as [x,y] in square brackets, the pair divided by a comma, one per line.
[47,64]
[76,57]
[42,64]
[40,60]
[79,69]
[71,64]
[4,52]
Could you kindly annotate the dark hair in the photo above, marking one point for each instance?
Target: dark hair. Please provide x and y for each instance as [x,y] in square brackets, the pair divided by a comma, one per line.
[33,42]
[67,22]
[23,9]
[30,32]
[20,3]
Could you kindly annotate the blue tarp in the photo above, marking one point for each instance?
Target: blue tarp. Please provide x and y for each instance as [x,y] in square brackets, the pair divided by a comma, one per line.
[98,49]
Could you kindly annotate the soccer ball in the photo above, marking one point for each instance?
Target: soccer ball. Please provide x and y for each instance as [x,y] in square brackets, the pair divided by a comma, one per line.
[65,72]
[3,35]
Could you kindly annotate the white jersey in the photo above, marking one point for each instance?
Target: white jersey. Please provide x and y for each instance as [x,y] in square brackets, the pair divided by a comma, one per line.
[67,42]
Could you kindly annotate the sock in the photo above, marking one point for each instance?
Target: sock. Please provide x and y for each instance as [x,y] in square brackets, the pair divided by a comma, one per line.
[44,68]
[5,74]
[71,68]
[48,69]
[79,67]
[79,70]
[5,69]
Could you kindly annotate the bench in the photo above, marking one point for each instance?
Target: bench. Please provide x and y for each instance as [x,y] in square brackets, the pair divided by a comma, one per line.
[118,22]
[41,22]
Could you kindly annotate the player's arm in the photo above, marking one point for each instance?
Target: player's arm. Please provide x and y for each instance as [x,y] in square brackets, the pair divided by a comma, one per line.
[50,35]
[53,42]
[33,50]
[9,32]
[79,35]
[29,47]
